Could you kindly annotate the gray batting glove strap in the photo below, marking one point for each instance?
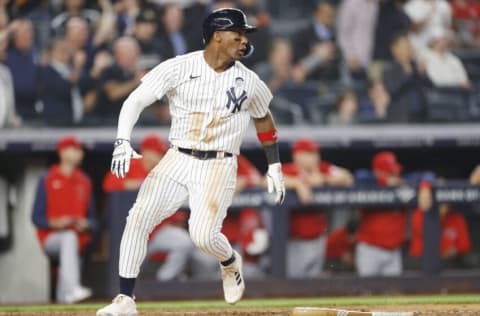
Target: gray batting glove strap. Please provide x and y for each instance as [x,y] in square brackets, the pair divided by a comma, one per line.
[275,181]
[122,153]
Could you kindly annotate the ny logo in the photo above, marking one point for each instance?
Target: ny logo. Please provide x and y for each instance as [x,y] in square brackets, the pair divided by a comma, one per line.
[237,102]
[233,98]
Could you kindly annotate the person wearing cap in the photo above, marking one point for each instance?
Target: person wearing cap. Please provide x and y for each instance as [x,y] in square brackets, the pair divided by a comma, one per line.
[169,242]
[145,31]
[64,215]
[381,232]
[308,225]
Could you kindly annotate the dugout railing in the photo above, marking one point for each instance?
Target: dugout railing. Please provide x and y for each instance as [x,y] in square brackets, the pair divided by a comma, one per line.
[454,192]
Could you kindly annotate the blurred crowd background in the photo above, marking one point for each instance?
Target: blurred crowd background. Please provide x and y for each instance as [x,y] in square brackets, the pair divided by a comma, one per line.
[73,62]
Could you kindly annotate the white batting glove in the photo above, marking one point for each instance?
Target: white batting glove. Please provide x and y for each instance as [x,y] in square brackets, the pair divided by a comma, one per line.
[121,156]
[275,181]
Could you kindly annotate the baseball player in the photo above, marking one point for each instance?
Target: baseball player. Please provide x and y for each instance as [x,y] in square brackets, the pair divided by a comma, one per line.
[308,225]
[212,97]
[381,232]
[64,215]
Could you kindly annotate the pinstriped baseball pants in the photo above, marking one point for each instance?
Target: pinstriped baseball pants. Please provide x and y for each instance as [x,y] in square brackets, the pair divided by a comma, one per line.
[208,186]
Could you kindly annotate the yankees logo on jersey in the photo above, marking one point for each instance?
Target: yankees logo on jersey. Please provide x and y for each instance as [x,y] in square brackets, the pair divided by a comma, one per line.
[210,110]
[236,95]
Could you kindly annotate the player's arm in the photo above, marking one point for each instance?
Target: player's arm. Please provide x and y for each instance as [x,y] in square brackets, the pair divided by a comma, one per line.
[267,134]
[138,100]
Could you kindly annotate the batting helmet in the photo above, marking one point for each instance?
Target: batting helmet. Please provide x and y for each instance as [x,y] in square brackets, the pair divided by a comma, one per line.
[225,20]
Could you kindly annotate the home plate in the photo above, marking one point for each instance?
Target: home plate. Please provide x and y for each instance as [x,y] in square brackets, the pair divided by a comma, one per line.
[319,311]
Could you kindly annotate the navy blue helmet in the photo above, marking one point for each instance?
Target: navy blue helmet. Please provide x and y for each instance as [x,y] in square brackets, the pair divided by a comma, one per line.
[225,20]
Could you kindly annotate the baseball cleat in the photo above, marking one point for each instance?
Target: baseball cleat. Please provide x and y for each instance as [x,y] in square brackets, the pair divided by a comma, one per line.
[233,284]
[122,305]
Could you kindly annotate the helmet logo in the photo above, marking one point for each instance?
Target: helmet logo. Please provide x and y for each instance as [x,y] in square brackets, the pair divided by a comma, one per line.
[223,22]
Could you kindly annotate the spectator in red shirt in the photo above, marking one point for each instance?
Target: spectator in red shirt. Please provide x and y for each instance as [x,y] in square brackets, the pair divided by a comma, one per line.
[245,230]
[454,240]
[64,215]
[308,225]
[381,232]
[170,241]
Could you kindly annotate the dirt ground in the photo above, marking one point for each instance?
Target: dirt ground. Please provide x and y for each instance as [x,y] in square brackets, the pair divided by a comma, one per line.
[419,310]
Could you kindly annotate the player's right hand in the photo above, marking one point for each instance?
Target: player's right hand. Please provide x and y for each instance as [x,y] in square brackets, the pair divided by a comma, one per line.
[121,156]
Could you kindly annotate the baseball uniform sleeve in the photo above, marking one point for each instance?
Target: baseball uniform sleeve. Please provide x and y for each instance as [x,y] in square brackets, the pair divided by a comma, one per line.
[161,78]
[261,99]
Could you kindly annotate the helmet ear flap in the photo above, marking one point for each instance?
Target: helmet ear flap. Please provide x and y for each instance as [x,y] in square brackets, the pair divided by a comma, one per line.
[249,50]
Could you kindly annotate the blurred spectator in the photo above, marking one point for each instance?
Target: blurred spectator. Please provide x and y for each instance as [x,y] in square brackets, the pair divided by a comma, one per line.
[64,215]
[244,229]
[261,39]
[58,90]
[466,20]
[78,37]
[8,115]
[314,47]
[381,232]
[373,106]
[454,239]
[475,176]
[391,21]
[356,22]
[340,246]
[426,16]
[172,37]
[22,62]
[308,225]
[277,71]
[170,241]
[404,79]
[443,68]
[74,8]
[126,13]
[145,32]
[117,81]
[90,82]
[346,109]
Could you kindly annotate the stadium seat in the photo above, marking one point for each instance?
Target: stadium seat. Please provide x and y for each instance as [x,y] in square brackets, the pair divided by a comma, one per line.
[448,105]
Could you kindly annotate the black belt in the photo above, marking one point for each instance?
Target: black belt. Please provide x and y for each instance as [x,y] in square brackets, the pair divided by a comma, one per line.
[204,154]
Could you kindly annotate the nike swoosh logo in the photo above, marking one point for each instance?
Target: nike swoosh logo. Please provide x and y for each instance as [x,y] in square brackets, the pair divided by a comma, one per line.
[194,77]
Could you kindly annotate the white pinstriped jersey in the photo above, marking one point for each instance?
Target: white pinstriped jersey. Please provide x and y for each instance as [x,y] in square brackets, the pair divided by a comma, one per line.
[210,110]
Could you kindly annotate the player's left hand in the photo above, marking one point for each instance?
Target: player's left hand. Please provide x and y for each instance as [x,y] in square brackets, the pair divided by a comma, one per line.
[275,182]
[121,156]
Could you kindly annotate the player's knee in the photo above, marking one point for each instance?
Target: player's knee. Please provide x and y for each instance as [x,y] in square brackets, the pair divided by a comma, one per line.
[69,237]
[138,220]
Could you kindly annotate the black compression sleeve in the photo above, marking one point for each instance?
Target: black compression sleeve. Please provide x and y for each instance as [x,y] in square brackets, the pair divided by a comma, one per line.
[272,153]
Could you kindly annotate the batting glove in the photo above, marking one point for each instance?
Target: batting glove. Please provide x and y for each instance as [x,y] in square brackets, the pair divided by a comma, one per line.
[121,156]
[275,182]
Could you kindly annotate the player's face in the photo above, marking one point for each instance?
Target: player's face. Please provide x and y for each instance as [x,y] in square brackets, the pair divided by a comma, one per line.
[306,160]
[72,155]
[234,43]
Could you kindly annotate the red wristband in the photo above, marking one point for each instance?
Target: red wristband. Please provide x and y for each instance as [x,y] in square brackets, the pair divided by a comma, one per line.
[268,136]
